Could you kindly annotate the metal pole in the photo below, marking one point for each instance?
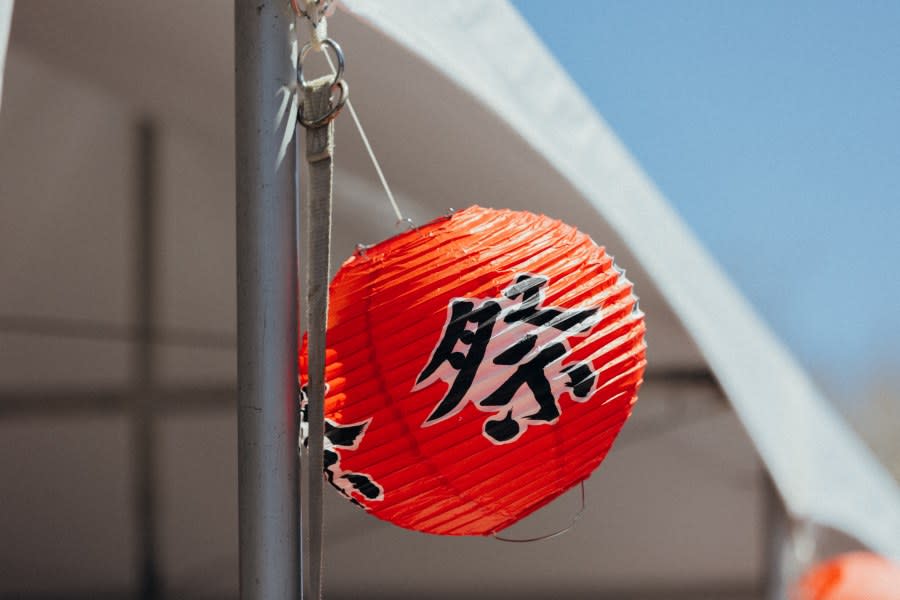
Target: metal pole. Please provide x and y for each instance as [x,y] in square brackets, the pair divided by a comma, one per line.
[267,308]
[778,546]
[143,419]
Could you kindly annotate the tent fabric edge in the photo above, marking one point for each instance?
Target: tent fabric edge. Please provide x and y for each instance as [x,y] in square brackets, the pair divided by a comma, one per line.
[839,484]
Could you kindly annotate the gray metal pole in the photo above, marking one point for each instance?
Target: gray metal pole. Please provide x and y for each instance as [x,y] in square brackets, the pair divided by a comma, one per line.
[267,308]
[778,547]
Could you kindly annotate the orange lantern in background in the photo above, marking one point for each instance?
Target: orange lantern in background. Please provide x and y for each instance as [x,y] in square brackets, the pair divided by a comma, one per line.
[477,368]
[854,576]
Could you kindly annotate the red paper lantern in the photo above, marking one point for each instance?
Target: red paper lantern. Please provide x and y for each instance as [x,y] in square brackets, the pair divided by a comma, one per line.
[854,576]
[477,368]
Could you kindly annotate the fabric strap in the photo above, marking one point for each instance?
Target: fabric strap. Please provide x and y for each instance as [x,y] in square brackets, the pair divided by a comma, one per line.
[319,153]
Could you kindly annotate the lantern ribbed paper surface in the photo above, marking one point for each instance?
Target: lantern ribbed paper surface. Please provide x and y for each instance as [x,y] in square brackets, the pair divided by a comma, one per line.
[852,576]
[478,367]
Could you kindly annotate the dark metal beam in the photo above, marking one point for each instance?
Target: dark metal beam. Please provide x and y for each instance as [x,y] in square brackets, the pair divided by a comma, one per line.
[15,403]
[87,329]
[68,403]
[778,544]
[701,376]
[144,373]
[737,590]
[103,331]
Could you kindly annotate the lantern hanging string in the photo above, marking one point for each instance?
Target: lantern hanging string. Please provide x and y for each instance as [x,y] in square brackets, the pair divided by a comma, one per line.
[549,536]
[315,14]
[401,220]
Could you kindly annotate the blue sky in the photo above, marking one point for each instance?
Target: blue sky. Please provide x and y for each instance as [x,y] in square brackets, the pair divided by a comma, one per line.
[774,128]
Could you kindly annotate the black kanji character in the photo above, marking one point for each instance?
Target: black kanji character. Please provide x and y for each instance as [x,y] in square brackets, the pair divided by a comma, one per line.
[472,324]
[531,374]
[340,437]
[529,287]
[462,313]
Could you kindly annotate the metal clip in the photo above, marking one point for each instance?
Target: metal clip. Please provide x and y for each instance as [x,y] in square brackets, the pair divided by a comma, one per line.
[337,82]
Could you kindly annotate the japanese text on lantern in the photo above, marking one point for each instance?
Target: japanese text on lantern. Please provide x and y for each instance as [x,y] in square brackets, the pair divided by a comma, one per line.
[507,355]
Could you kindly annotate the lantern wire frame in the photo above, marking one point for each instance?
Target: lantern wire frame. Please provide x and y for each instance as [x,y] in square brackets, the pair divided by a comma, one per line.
[552,535]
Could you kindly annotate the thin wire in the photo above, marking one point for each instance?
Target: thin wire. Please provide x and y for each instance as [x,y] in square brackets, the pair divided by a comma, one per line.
[371,152]
[552,535]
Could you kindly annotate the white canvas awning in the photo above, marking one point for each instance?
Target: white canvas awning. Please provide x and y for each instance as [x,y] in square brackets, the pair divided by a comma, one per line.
[6,7]
[821,469]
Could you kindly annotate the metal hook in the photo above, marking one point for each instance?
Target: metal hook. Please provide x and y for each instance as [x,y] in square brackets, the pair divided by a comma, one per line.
[338,54]
[336,82]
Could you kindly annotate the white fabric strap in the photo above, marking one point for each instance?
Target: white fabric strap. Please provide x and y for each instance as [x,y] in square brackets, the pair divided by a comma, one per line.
[319,152]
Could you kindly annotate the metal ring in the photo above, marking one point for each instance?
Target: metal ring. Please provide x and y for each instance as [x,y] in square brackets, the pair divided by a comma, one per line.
[338,54]
[335,108]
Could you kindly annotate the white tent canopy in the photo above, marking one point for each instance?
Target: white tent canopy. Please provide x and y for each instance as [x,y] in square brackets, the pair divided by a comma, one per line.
[463,105]
[820,468]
